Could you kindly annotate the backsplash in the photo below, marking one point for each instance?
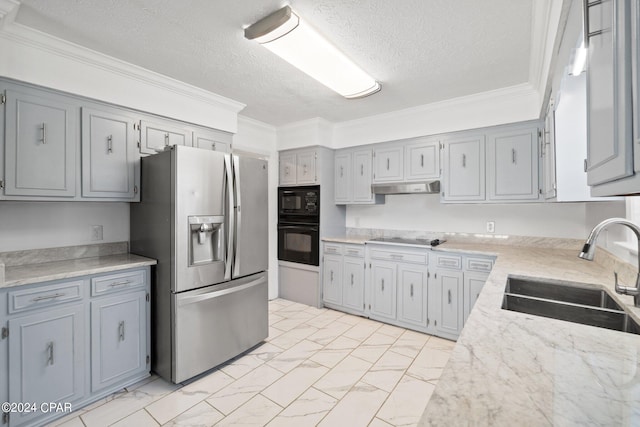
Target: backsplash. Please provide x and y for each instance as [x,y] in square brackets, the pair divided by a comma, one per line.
[37,256]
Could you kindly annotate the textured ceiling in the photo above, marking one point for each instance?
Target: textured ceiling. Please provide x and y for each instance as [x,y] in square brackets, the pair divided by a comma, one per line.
[422,51]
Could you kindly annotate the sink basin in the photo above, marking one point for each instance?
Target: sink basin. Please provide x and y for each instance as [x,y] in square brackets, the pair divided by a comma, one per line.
[561,291]
[569,302]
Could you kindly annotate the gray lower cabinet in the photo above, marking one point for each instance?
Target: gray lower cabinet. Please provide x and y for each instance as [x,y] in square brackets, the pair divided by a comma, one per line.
[118,338]
[109,158]
[383,290]
[41,139]
[46,358]
[73,341]
[343,278]
[473,283]
[448,298]
[412,295]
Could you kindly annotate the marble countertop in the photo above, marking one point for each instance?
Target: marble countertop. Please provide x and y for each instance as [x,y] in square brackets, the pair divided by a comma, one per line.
[39,272]
[510,368]
[356,240]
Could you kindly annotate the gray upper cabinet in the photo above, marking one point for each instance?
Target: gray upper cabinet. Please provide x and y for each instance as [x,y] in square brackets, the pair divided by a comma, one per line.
[155,136]
[422,160]
[548,154]
[512,164]
[609,91]
[342,169]
[306,167]
[464,169]
[287,169]
[109,157]
[41,141]
[388,164]
[212,140]
[362,161]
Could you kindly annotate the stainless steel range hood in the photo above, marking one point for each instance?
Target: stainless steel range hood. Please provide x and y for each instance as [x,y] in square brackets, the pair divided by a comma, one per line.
[422,187]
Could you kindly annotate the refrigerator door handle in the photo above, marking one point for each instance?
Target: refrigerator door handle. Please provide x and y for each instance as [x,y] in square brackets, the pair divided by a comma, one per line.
[238,214]
[231,217]
[186,300]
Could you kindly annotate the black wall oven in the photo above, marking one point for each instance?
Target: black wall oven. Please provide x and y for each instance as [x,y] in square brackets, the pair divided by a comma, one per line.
[299,224]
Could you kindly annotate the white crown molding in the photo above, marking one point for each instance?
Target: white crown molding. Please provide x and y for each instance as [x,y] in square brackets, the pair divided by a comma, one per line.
[30,37]
[248,121]
[315,121]
[524,90]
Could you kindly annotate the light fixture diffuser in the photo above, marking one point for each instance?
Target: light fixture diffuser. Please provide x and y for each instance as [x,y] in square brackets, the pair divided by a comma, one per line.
[291,38]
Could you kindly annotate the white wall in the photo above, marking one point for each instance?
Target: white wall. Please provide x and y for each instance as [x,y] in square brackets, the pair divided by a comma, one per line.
[260,138]
[36,225]
[426,213]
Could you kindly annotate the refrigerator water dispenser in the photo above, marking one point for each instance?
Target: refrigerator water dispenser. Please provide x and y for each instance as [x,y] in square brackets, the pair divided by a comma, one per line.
[206,240]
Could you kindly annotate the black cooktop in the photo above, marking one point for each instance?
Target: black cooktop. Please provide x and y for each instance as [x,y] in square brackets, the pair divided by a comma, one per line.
[409,241]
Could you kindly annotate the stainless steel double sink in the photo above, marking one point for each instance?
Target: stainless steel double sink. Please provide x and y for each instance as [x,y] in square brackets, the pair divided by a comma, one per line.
[572,302]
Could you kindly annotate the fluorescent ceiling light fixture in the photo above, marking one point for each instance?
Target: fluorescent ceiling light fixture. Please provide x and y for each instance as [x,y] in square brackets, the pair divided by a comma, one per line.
[579,60]
[291,38]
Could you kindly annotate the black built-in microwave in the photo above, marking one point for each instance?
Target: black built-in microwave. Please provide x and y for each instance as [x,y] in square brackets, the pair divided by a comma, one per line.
[299,204]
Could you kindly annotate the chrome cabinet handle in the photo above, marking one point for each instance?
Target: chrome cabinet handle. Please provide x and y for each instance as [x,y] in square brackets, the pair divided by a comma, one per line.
[341,172]
[46,297]
[513,156]
[464,161]
[352,252]
[50,353]
[115,284]
[396,256]
[411,293]
[351,279]
[387,163]
[331,276]
[421,160]
[382,285]
[362,169]
[449,292]
[166,139]
[121,331]
[213,146]
[286,170]
[110,144]
[44,133]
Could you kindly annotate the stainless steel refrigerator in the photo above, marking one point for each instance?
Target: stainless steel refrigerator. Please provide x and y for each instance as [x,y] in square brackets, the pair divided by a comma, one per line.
[203,216]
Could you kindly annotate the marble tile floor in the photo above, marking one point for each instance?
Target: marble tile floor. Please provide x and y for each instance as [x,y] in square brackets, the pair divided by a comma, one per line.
[318,367]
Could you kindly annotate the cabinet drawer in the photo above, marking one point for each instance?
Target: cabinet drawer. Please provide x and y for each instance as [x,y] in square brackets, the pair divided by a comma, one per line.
[333,248]
[117,282]
[411,257]
[478,264]
[45,296]
[449,261]
[354,250]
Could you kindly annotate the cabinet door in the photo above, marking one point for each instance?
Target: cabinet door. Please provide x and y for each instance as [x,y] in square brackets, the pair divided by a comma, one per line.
[361,176]
[548,154]
[287,169]
[383,290]
[450,308]
[212,140]
[412,294]
[353,283]
[609,92]
[41,141]
[154,137]
[118,338]
[473,283]
[464,169]
[46,358]
[513,165]
[422,161]
[108,155]
[343,187]
[388,165]
[332,279]
[306,167]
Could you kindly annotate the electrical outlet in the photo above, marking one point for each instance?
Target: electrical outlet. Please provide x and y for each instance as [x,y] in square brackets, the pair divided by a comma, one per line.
[96,232]
[491,226]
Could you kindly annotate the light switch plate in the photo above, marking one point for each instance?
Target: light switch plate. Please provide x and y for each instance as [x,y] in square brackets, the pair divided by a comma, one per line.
[96,232]
[491,226]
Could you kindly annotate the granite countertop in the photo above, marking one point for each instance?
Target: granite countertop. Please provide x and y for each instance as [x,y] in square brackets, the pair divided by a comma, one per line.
[510,368]
[39,272]
[356,240]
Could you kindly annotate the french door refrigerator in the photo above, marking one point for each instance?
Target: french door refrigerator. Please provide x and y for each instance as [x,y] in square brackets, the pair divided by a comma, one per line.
[203,216]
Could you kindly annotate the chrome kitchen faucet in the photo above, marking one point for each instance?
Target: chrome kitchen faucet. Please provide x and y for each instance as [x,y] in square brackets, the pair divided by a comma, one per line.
[589,249]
